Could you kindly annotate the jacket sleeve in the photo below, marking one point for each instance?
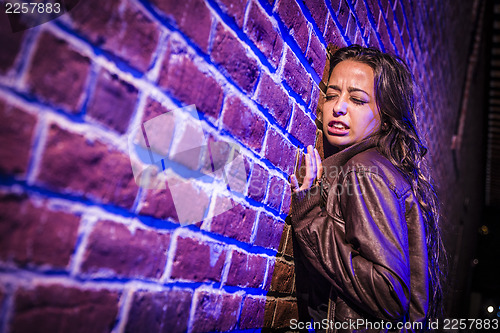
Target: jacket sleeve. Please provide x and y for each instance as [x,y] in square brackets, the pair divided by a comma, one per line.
[367,259]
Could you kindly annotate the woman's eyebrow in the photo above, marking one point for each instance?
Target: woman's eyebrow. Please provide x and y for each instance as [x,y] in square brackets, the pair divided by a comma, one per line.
[350,89]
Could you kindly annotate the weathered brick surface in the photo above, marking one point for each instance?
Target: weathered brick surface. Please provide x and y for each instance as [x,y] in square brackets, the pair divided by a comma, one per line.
[208,318]
[72,163]
[296,76]
[57,308]
[191,16]
[166,311]
[17,127]
[235,9]
[274,99]
[246,270]
[318,12]
[294,20]
[285,311]
[282,277]
[269,231]
[55,64]
[280,151]
[113,102]
[316,54]
[262,32]
[184,80]
[275,192]
[198,261]
[258,183]
[229,52]
[159,203]
[252,312]
[11,44]
[233,219]
[32,234]
[114,247]
[303,127]
[333,34]
[244,123]
[104,28]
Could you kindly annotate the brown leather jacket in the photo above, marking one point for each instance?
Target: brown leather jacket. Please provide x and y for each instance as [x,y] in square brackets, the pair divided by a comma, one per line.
[359,247]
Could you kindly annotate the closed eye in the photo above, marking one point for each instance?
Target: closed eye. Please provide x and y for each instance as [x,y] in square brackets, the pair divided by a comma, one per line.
[358,101]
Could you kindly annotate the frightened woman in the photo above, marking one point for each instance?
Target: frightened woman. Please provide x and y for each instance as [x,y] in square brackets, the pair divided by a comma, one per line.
[365,219]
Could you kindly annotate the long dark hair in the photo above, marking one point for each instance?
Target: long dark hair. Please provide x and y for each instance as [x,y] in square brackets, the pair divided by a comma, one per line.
[400,142]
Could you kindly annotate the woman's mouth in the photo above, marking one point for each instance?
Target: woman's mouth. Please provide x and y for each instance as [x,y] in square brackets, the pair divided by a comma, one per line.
[337,128]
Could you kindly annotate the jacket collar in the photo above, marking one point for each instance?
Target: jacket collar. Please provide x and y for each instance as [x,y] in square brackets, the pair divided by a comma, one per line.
[336,161]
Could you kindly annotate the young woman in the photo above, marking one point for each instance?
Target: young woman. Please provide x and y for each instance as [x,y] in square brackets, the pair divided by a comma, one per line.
[365,220]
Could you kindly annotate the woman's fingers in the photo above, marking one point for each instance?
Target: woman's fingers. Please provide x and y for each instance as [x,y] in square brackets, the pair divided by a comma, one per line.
[314,169]
[319,172]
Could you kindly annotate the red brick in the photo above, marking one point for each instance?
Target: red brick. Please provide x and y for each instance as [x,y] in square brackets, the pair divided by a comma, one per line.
[384,36]
[53,66]
[373,40]
[318,12]
[134,43]
[296,76]
[112,246]
[269,232]
[362,15]
[35,234]
[235,9]
[258,183]
[315,94]
[159,203]
[285,206]
[252,312]
[374,9]
[11,44]
[280,152]
[291,15]
[113,102]
[57,308]
[273,98]
[197,261]
[343,14]
[244,123]
[282,277]
[246,270]
[215,311]
[229,52]
[333,34]
[216,155]
[166,311]
[182,78]
[234,219]
[288,247]
[269,310]
[270,271]
[17,127]
[352,26]
[176,202]
[275,192]
[335,5]
[191,16]
[71,163]
[158,132]
[316,55]
[262,32]
[284,236]
[285,311]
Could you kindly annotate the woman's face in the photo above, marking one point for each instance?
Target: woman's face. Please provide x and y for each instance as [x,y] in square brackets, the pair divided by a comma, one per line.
[350,112]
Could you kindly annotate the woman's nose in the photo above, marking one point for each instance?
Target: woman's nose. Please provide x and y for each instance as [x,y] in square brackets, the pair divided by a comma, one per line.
[340,108]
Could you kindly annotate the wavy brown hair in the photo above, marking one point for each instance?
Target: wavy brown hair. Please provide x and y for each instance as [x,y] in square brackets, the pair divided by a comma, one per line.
[400,142]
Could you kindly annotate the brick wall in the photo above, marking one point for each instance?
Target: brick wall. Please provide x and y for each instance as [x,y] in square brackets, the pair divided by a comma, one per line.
[83,247]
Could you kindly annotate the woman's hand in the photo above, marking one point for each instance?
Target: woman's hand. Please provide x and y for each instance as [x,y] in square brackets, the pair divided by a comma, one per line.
[314,169]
